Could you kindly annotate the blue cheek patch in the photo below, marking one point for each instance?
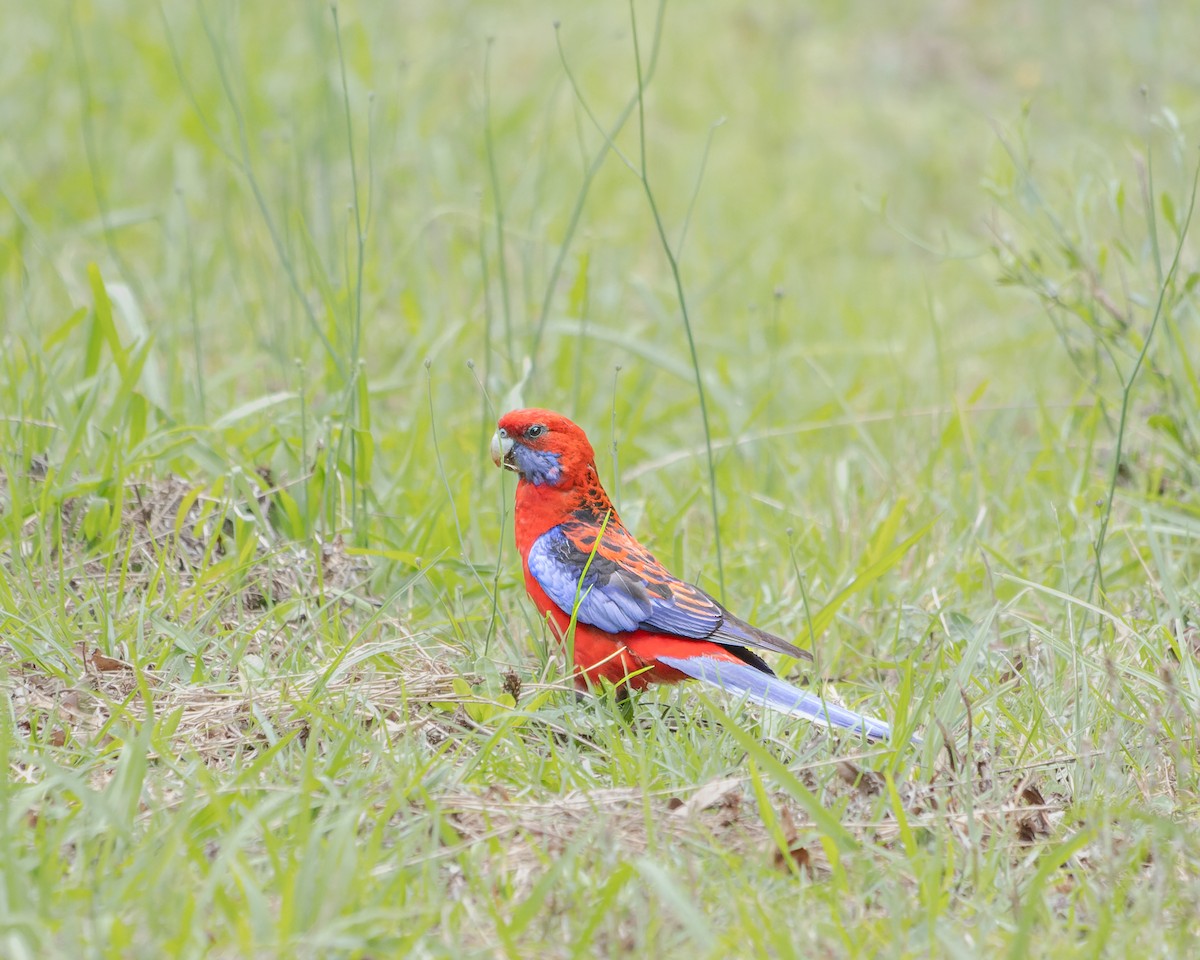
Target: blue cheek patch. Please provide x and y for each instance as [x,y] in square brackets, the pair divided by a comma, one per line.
[538,466]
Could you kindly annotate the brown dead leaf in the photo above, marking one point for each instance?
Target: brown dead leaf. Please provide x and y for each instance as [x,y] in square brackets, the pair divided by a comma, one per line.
[799,856]
[867,782]
[99,660]
[1016,668]
[711,794]
[106,664]
[1031,795]
[1033,825]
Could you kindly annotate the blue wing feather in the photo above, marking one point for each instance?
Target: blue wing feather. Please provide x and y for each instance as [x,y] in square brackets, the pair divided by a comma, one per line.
[613,608]
[626,589]
[613,595]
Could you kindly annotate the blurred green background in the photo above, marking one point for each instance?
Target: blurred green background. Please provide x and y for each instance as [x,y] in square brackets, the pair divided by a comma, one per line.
[302,257]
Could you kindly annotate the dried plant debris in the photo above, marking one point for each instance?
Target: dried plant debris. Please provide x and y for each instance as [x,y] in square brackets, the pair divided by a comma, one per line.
[250,629]
[724,794]
[175,542]
[799,854]
[725,815]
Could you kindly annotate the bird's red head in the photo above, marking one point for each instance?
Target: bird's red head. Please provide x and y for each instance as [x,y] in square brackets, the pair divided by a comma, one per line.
[543,447]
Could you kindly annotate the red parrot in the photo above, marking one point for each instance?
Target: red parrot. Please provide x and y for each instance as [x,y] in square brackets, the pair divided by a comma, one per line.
[635,623]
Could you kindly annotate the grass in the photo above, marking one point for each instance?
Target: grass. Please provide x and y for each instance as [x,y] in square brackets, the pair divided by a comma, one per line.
[884,331]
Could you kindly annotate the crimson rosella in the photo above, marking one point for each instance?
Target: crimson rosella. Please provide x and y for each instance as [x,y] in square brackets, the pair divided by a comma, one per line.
[636,623]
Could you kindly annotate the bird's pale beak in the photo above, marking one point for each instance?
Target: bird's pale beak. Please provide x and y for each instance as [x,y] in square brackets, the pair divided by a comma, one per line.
[501,449]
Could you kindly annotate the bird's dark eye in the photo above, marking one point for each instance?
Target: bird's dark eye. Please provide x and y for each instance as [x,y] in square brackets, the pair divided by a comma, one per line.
[535,431]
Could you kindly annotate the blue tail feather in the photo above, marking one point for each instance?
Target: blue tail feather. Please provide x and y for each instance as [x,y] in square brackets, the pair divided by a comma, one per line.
[769,691]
